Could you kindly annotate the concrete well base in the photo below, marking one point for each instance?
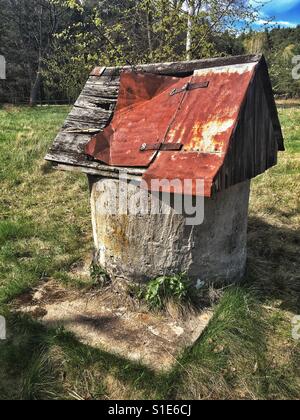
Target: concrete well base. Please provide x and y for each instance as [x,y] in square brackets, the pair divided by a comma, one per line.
[141,247]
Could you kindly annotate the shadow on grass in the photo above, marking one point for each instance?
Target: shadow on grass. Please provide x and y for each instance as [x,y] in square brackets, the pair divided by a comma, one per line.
[273,263]
[41,359]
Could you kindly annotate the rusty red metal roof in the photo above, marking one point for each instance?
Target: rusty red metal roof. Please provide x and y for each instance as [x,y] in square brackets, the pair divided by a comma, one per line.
[177,128]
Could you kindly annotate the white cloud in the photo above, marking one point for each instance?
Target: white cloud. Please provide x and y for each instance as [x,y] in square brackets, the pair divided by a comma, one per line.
[262,22]
[273,9]
[275,6]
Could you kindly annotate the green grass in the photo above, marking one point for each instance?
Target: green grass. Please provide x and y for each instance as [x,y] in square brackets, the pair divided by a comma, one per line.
[246,353]
[289,115]
[42,229]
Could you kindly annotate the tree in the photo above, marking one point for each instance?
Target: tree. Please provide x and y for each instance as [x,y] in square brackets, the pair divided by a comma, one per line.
[59,41]
[279,45]
[30,29]
[208,19]
[191,4]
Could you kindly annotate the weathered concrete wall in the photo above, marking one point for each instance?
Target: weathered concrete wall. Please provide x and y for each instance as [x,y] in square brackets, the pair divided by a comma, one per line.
[142,247]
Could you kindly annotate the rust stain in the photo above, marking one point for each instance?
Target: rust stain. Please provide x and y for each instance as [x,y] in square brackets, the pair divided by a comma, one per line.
[116,240]
[202,119]
[205,137]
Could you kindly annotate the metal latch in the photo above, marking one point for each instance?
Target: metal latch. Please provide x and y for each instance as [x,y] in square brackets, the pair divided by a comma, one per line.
[161,147]
[190,86]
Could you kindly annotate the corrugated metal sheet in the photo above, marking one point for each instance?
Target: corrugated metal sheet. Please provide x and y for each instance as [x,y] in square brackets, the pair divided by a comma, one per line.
[201,112]
[144,110]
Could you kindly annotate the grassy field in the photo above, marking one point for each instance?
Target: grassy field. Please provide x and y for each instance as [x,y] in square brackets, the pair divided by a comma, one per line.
[246,353]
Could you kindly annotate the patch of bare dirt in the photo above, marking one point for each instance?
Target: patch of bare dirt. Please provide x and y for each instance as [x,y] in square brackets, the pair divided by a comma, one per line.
[110,320]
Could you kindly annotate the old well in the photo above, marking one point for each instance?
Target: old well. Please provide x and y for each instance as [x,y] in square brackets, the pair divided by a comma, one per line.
[213,121]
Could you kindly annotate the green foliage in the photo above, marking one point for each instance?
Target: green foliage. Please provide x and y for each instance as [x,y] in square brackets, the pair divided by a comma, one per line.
[279,45]
[281,68]
[59,41]
[62,40]
[26,40]
[163,289]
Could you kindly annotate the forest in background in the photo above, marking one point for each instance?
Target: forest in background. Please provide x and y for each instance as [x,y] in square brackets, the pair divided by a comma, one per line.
[51,45]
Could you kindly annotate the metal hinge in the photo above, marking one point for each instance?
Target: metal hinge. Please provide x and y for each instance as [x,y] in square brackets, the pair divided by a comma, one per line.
[190,86]
[161,147]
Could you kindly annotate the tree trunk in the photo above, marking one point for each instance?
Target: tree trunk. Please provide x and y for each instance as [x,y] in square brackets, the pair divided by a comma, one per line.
[35,90]
[189,36]
[149,35]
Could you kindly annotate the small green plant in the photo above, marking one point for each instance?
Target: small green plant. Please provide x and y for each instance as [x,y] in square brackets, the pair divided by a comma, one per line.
[166,288]
[99,276]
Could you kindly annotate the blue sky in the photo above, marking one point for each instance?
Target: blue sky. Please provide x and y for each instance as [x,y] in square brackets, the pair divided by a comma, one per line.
[285,13]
